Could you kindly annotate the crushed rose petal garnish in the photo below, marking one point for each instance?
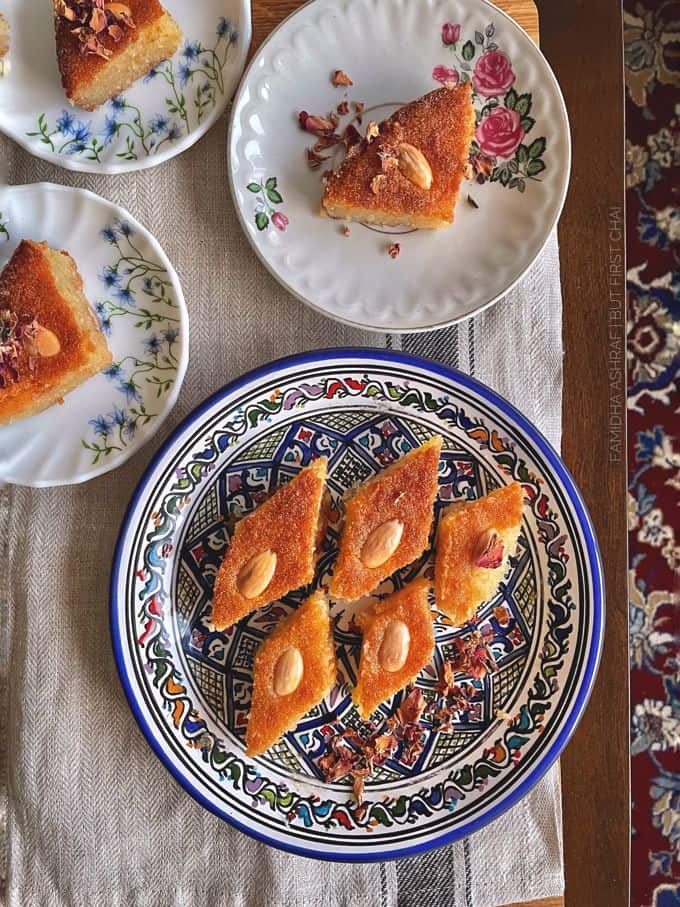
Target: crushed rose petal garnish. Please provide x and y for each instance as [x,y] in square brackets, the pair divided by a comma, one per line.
[343,108]
[93,20]
[357,754]
[341,78]
[482,165]
[315,124]
[492,556]
[473,656]
[16,332]
[394,249]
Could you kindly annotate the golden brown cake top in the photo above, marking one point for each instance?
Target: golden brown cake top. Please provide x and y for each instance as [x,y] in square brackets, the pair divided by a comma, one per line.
[474,541]
[294,669]
[390,515]
[398,641]
[440,126]
[277,543]
[29,293]
[78,63]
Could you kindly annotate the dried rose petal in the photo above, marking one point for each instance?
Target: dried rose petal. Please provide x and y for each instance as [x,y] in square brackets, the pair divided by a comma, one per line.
[314,159]
[412,706]
[490,555]
[343,108]
[394,250]
[341,78]
[315,124]
[482,166]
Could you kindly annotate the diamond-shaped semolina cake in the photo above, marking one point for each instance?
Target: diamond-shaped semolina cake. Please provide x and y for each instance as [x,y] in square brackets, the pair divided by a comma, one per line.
[273,549]
[398,641]
[474,542]
[294,669]
[387,522]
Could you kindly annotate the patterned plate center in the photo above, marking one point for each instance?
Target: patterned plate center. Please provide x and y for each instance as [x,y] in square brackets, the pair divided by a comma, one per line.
[358,443]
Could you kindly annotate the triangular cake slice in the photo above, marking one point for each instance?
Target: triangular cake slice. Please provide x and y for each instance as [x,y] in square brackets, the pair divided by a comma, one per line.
[50,341]
[398,641]
[103,47]
[273,549]
[409,174]
[474,543]
[294,670]
[387,522]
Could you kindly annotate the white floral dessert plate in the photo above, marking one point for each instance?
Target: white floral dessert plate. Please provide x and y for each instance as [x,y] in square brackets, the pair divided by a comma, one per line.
[190,686]
[158,117]
[395,51]
[138,300]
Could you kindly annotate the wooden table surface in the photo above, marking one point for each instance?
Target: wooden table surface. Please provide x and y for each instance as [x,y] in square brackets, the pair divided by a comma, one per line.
[582,41]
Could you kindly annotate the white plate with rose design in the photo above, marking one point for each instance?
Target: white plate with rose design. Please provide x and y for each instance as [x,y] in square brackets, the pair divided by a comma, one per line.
[395,51]
[190,685]
[159,116]
[138,300]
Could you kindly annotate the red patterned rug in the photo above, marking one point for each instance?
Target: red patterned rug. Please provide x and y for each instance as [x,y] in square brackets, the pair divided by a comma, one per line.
[652,58]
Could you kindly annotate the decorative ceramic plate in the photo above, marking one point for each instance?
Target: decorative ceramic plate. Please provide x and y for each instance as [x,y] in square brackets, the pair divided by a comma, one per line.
[158,117]
[395,51]
[190,686]
[138,300]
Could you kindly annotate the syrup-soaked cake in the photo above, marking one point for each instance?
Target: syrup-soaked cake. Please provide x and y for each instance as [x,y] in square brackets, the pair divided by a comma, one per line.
[474,542]
[387,522]
[398,641]
[408,170]
[50,340]
[273,549]
[103,47]
[294,670]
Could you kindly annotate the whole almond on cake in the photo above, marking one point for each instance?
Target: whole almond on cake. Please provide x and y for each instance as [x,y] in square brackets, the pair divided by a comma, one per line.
[273,549]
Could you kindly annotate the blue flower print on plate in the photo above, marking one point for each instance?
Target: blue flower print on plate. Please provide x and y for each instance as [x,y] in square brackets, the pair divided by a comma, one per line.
[137,299]
[158,116]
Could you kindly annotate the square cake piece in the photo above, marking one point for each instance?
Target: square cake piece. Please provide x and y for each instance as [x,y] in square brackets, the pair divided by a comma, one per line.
[387,522]
[103,47]
[50,340]
[273,549]
[398,641]
[475,540]
[408,170]
[294,670]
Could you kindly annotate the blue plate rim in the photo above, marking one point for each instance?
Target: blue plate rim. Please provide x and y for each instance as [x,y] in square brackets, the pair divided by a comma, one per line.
[593,557]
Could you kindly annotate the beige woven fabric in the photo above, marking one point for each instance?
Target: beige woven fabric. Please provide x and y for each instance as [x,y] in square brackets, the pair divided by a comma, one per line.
[90,816]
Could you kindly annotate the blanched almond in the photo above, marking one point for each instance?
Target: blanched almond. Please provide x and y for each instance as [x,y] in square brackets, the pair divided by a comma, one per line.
[44,344]
[288,672]
[394,647]
[256,574]
[381,543]
[414,166]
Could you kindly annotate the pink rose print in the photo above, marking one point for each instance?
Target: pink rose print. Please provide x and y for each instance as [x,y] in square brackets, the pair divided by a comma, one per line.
[499,133]
[450,33]
[444,74]
[280,221]
[492,74]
